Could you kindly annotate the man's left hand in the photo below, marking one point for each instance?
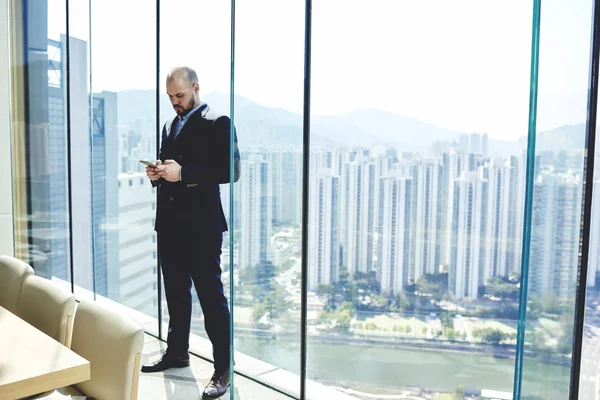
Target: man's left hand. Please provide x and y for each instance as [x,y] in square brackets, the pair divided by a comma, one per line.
[170,171]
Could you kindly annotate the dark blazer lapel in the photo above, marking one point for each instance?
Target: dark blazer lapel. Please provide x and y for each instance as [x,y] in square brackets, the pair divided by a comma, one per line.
[167,137]
[192,124]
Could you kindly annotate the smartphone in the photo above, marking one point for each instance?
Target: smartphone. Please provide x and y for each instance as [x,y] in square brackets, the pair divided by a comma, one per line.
[149,163]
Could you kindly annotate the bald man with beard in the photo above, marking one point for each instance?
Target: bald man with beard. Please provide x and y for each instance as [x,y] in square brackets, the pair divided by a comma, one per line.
[194,161]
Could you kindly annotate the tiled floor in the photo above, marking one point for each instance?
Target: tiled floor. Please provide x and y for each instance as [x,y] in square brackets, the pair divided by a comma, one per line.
[188,383]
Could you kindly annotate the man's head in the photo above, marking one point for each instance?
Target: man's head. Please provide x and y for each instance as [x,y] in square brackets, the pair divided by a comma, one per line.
[183,88]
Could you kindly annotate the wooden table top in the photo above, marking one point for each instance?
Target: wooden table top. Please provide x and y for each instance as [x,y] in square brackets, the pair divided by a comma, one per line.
[32,362]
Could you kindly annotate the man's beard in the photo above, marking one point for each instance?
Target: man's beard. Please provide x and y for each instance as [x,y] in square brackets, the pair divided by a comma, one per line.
[191,105]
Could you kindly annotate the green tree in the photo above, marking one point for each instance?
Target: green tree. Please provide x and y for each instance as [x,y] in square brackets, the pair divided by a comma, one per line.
[502,288]
[508,310]
[324,317]
[342,282]
[343,320]
[409,304]
[447,319]
[327,291]
[551,305]
[258,311]
[514,276]
[347,306]
[459,393]
[346,288]
[401,303]
[493,336]
[435,285]
[451,334]
[536,307]
[276,302]
[535,340]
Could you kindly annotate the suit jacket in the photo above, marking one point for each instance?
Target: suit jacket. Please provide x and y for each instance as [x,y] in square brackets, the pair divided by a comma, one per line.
[202,148]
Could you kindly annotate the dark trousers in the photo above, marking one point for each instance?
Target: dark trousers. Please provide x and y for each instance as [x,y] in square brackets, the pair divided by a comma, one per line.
[184,258]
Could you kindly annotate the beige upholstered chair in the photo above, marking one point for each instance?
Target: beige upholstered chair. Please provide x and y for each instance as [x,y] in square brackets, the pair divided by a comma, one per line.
[12,275]
[113,344]
[48,307]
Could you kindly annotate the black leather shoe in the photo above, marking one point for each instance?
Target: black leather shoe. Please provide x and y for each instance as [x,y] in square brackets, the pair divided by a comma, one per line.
[217,386]
[168,361]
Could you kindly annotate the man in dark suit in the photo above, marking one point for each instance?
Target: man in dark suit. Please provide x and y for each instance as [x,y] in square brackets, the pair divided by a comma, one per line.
[194,160]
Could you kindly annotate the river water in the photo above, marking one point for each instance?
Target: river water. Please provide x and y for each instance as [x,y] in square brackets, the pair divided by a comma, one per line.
[384,370]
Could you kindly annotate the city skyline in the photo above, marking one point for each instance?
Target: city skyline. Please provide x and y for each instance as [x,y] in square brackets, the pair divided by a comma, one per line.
[359,230]
[475,235]
[273,178]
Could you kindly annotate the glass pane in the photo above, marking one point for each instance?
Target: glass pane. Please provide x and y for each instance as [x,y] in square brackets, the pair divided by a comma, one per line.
[6,180]
[40,137]
[269,59]
[122,132]
[417,189]
[79,79]
[589,381]
[210,60]
[557,199]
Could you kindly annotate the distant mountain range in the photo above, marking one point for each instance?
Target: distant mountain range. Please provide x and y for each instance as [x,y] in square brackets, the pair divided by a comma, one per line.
[264,127]
[565,137]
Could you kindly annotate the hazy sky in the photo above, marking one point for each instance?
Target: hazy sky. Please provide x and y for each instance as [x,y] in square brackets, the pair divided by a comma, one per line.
[461,64]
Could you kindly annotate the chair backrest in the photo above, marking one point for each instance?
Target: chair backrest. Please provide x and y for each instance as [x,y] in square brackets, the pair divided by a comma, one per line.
[12,275]
[48,307]
[113,344]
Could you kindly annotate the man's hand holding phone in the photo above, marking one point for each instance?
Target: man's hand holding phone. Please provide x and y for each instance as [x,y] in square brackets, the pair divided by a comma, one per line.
[151,171]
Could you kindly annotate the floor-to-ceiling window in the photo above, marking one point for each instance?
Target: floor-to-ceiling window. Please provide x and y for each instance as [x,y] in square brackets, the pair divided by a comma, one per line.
[196,34]
[123,132]
[78,128]
[444,152]
[267,207]
[41,189]
[564,61]
[418,128]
